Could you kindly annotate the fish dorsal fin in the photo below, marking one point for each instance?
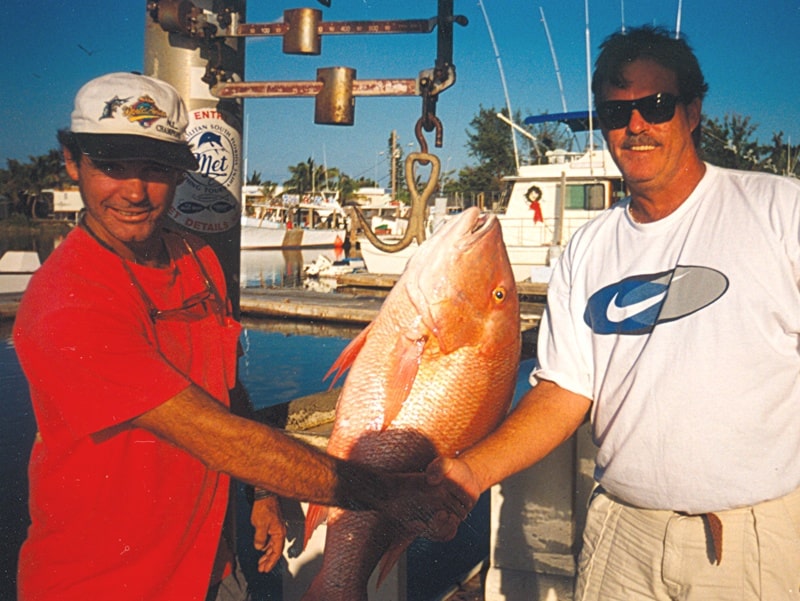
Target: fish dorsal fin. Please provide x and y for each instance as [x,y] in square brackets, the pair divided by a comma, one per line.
[317,514]
[409,353]
[347,356]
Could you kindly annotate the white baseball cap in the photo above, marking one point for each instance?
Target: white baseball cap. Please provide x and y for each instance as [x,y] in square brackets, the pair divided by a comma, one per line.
[128,116]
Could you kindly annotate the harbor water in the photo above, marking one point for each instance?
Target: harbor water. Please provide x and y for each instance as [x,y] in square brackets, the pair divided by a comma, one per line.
[283,360]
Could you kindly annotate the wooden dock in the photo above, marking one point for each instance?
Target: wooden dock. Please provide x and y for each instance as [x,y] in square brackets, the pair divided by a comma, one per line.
[358,299]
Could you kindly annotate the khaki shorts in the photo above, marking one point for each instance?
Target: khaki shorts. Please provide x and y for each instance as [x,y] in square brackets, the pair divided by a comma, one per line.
[635,554]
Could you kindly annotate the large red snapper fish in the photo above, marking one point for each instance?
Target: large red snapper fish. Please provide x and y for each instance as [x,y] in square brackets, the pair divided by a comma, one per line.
[430,376]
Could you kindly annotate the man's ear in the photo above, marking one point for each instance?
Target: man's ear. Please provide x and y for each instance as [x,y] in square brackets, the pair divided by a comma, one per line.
[70,163]
[694,112]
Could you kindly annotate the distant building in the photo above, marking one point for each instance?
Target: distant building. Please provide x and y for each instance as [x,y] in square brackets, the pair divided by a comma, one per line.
[66,204]
[370,197]
[254,200]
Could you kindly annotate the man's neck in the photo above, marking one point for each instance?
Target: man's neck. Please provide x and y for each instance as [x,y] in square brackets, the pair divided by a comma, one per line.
[648,205]
[151,252]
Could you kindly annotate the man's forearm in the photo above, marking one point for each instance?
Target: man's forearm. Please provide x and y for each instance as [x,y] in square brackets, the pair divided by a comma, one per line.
[544,418]
[259,455]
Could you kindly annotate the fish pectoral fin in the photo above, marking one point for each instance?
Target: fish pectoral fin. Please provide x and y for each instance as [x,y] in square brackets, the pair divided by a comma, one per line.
[317,514]
[347,356]
[402,377]
[391,556]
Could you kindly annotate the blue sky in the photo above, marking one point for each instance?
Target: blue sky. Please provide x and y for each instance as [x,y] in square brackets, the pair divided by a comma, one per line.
[749,52]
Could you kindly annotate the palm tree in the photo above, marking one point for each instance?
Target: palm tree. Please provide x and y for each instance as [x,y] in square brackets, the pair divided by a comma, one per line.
[255,179]
[301,177]
[309,177]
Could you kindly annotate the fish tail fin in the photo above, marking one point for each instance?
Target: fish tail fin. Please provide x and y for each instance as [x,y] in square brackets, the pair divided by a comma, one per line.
[317,514]
[391,556]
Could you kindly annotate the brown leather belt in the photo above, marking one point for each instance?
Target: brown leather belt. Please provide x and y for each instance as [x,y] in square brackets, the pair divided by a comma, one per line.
[713,527]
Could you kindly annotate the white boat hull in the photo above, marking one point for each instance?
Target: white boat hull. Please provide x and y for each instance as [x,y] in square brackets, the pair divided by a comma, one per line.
[378,261]
[264,238]
[16,269]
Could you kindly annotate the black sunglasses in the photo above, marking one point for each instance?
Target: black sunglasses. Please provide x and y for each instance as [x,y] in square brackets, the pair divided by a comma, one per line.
[658,108]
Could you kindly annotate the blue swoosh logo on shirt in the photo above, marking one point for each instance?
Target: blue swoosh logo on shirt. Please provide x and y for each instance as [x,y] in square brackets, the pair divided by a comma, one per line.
[618,310]
[637,304]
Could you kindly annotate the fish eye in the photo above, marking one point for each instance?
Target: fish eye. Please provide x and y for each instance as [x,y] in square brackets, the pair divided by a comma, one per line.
[499,294]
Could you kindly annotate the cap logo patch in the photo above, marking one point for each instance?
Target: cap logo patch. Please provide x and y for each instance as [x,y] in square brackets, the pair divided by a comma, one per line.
[144,111]
[112,106]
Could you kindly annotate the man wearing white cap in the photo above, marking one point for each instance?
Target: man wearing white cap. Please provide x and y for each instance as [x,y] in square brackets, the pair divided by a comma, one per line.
[127,341]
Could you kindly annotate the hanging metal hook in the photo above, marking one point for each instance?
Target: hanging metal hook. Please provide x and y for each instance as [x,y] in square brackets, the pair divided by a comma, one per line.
[418,131]
[419,204]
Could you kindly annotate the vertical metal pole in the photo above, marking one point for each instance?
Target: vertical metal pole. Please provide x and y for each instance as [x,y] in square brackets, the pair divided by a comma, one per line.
[209,202]
[393,165]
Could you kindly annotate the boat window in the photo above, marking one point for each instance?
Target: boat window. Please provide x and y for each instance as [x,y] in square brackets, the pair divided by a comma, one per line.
[595,197]
[585,197]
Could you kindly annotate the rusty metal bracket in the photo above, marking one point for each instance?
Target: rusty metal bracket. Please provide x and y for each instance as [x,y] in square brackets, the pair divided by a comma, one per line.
[292,89]
[302,29]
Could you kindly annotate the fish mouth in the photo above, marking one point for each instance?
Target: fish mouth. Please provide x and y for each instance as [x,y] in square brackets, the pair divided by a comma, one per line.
[476,229]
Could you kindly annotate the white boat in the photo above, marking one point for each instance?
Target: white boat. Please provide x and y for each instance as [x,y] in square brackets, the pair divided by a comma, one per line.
[316,221]
[16,269]
[541,209]
[325,267]
[270,236]
[545,204]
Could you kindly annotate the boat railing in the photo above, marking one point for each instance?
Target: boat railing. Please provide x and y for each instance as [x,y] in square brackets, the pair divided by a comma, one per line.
[519,231]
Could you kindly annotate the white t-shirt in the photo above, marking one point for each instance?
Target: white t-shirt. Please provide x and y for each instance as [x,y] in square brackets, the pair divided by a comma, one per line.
[684,333]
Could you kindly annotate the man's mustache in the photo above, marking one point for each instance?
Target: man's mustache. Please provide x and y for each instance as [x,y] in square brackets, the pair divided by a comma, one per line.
[640,140]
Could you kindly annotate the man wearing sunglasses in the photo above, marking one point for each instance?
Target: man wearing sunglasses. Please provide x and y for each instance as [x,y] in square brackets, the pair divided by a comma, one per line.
[673,323]
[127,342]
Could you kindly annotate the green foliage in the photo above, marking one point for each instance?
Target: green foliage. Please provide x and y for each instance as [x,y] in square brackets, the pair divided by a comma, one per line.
[732,143]
[729,143]
[307,177]
[490,143]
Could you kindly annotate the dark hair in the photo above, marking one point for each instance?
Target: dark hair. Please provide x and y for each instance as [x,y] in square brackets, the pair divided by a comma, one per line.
[68,140]
[656,44]
[653,43]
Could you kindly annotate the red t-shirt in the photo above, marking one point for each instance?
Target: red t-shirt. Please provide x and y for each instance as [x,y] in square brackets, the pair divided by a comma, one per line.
[116,512]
